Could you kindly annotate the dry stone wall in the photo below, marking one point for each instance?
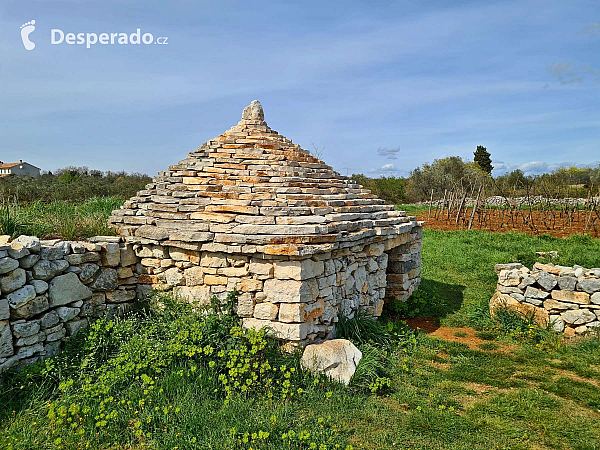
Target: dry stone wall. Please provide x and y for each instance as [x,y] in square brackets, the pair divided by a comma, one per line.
[51,289]
[250,210]
[566,297]
[300,300]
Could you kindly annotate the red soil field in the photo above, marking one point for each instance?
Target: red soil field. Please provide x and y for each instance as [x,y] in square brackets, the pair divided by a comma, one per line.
[536,222]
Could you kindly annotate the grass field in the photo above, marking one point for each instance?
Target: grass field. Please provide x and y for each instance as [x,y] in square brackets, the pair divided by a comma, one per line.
[59,219]
[156,380]
[458,275]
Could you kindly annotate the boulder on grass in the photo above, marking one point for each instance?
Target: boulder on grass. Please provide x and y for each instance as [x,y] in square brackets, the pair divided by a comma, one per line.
[337,359]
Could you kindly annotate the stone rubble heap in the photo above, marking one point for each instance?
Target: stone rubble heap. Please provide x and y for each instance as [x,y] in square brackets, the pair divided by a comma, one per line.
[498,200]
[252,211]
[566,297]
[49,290]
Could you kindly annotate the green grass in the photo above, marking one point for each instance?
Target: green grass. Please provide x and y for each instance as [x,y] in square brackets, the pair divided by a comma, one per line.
[59,219]
[411,391]
[412,209]
[458,275]
[489,346]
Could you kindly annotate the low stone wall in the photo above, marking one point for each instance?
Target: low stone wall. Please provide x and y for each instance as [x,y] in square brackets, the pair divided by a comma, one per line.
[299,299]
[567,297]
[51,289]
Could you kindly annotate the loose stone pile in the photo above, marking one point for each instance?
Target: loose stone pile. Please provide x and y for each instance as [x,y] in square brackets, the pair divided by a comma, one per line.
[566,297]
[498,200]
[250,210]
[51,289]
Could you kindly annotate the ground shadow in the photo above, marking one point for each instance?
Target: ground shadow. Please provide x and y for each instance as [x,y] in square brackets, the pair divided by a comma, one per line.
[434,300]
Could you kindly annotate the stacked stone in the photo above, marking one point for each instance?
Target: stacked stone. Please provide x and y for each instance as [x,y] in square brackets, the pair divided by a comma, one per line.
[404,265]
[51,289]
[566,297]
[251,190]
[250,210]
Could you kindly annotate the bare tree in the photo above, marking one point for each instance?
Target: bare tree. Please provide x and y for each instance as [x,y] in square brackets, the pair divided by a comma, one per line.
[316,151]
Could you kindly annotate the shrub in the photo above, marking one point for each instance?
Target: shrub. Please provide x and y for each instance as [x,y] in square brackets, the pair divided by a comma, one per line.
[391,189]
[362,328]
[524,329]
[119,382]
[382,344]
[10,221]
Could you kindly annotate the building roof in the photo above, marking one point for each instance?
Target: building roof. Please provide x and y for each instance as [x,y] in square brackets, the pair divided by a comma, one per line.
[10,165]
[253,190]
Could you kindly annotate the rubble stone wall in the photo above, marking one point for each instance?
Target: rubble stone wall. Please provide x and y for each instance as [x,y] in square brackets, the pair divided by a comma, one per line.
[404,265]
[566,297]
[299,299]
[51,289]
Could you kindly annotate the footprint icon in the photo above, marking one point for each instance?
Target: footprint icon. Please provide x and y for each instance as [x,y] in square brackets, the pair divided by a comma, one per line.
[26,30]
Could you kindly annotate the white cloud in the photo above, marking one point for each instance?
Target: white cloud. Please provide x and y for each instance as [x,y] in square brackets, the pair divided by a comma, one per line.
[592,29]
[537,167]
[567,72]
[385,170]
[388,152]
[500,167]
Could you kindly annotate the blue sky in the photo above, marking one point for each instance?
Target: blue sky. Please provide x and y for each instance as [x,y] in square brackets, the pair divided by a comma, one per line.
[381,86]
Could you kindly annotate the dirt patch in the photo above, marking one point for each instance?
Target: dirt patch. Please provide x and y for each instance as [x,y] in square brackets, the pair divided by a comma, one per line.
[423,323]
[440,366]
[575,377]
[482,392]
[463,335]
[480,388]
[403,407]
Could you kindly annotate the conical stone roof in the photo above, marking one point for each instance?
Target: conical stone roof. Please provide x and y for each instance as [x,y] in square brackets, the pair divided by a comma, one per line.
[251,190]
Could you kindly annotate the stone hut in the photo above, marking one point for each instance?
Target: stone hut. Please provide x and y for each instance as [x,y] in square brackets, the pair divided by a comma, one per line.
[252,211]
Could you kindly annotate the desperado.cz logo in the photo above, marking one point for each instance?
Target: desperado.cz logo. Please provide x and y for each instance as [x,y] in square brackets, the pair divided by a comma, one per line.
[58,36]
[26,29]
[89,39]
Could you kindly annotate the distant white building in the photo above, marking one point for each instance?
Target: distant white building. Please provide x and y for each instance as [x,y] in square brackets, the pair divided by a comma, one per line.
[20,169]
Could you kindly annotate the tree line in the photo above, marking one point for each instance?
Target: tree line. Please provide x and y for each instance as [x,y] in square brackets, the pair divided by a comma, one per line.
[453,174]
[71,184]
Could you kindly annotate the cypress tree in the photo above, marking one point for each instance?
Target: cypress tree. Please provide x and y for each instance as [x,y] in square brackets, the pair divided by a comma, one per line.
[483,159]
